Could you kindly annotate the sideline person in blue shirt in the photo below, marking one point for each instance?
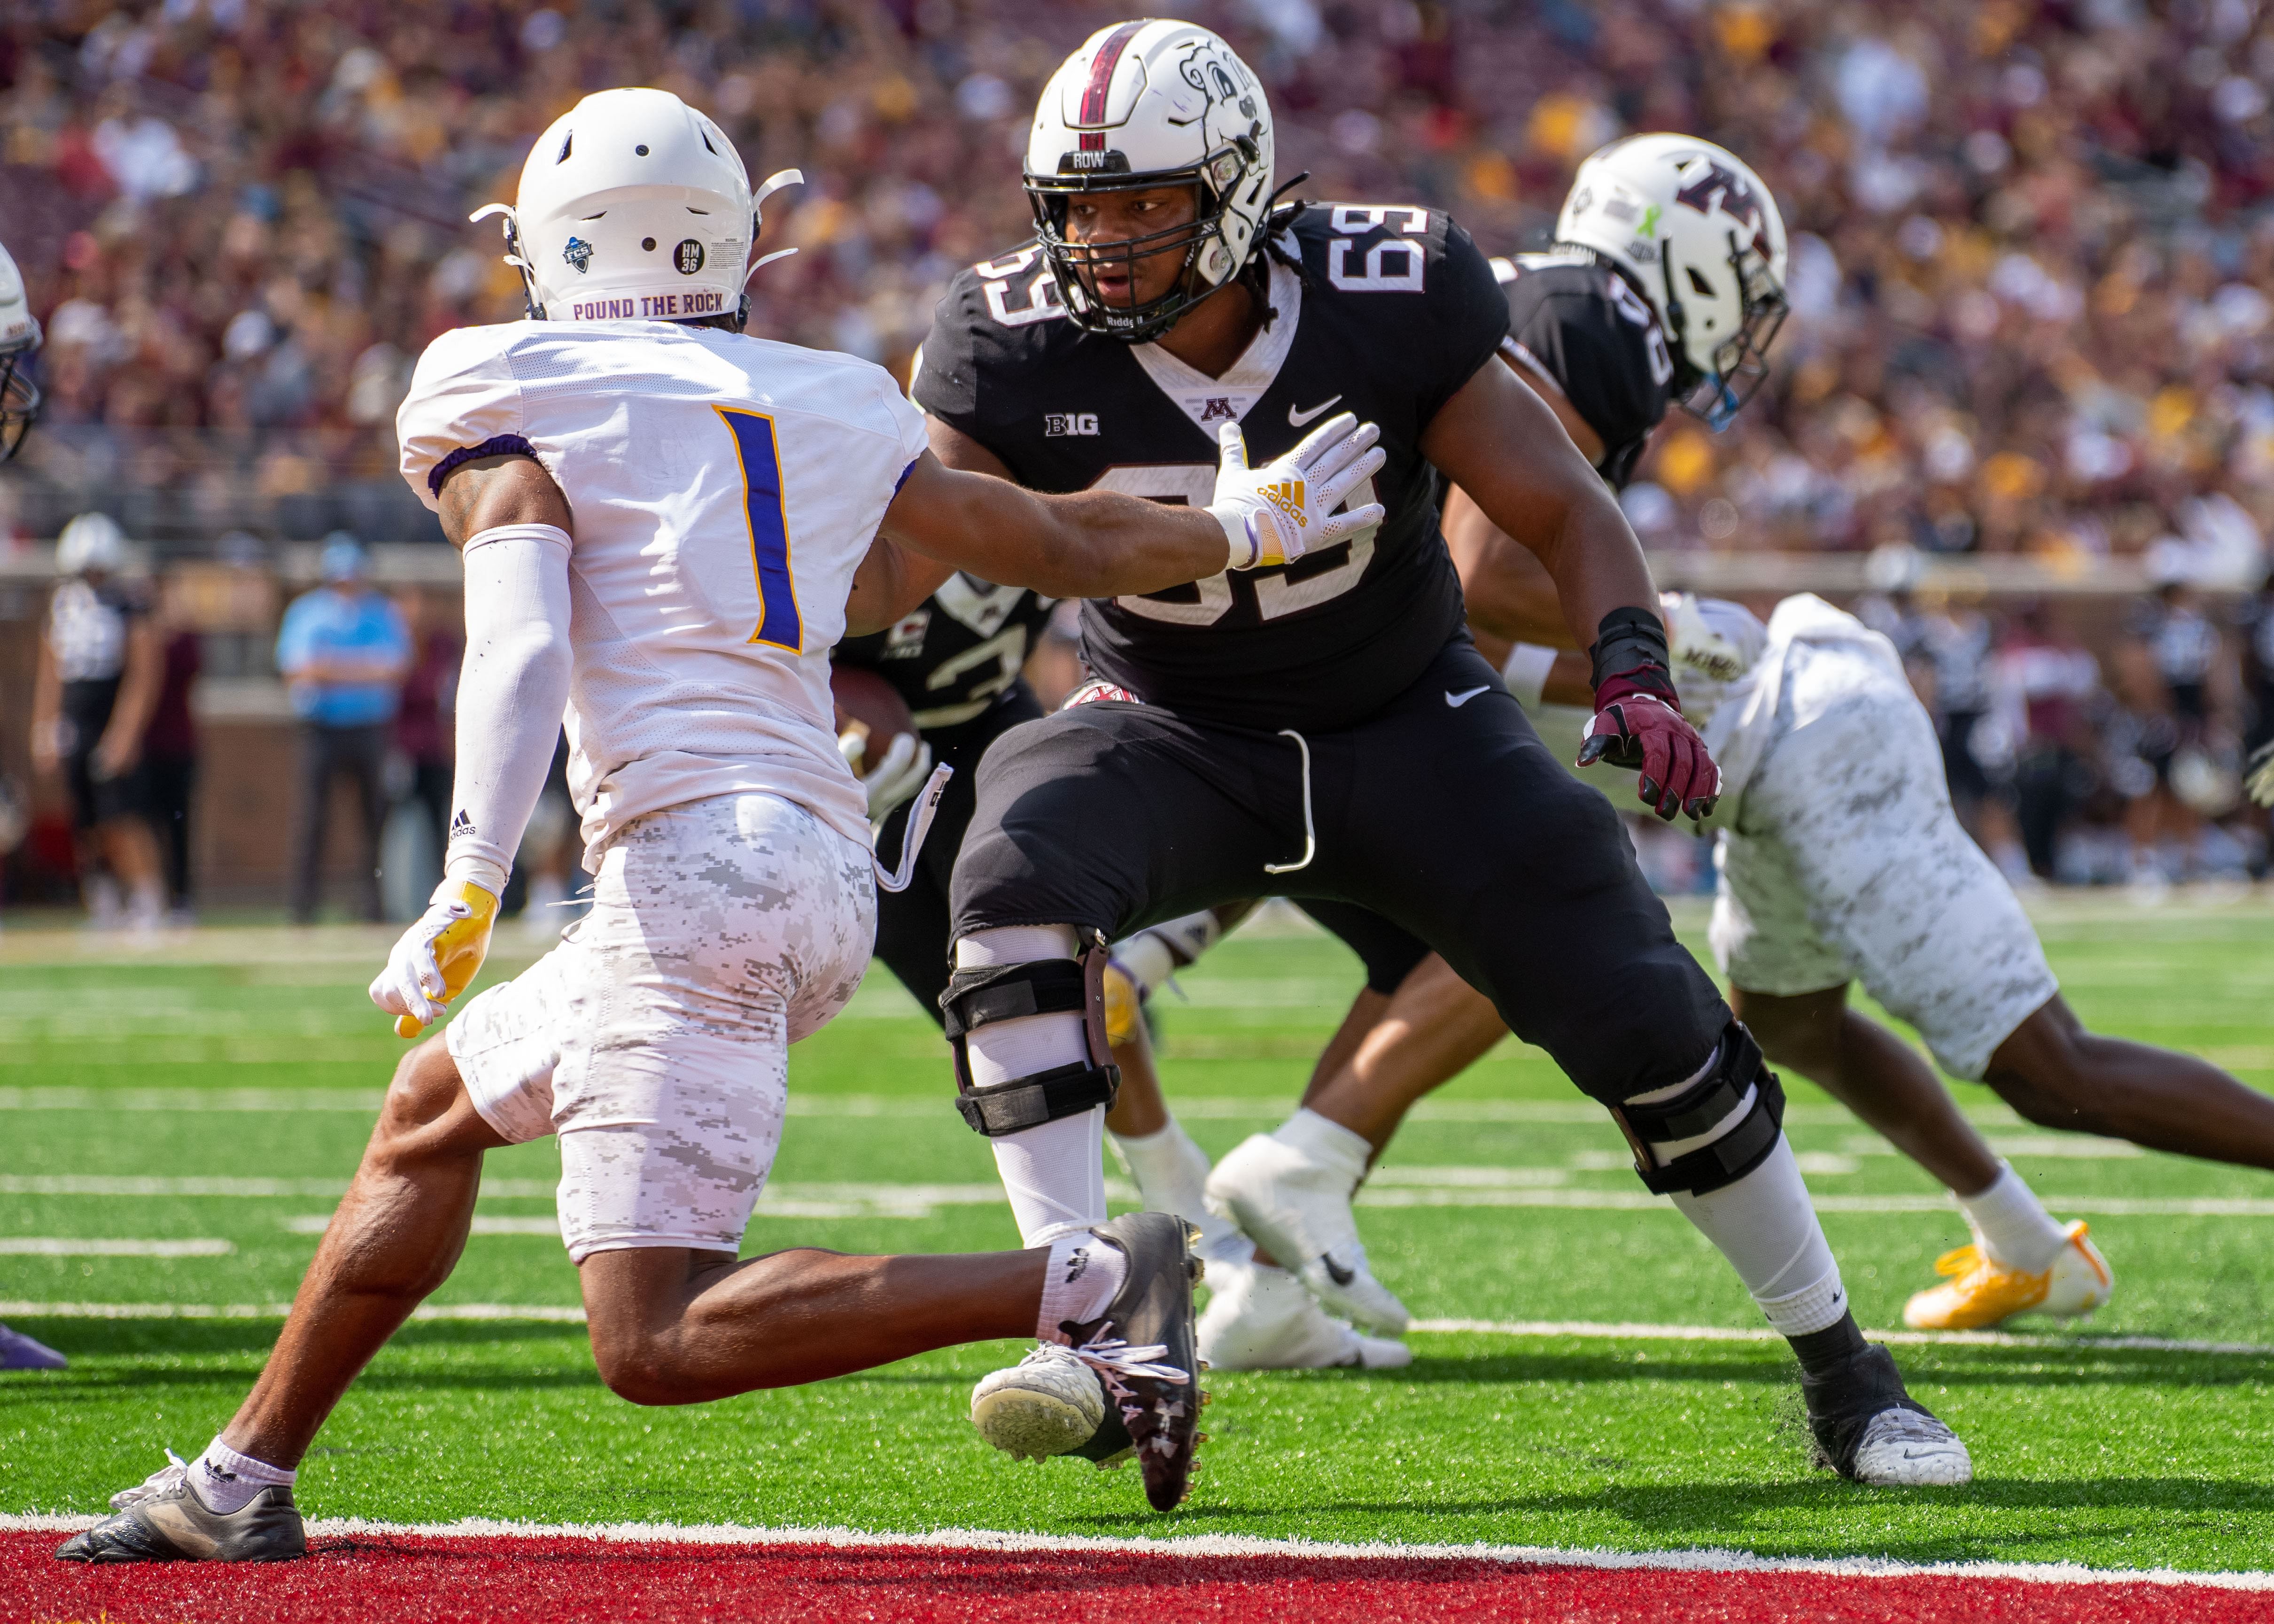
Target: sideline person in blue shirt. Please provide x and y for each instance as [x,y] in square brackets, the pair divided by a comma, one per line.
[343,650]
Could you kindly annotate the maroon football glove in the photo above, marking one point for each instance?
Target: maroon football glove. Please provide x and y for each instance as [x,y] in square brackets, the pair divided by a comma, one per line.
[1639,723]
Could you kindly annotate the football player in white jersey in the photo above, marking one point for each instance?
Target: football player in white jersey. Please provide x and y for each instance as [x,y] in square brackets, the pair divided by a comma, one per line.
[666,524]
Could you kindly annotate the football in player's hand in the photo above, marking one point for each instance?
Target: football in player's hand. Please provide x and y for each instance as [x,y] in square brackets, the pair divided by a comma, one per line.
[868,706]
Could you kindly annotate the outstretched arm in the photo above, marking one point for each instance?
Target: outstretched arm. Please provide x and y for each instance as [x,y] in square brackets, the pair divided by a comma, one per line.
[1088,544]
[1100,544]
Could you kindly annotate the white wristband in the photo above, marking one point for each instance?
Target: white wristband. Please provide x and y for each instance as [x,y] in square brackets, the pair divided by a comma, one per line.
[1526,673]
[1241,548]
[474,871]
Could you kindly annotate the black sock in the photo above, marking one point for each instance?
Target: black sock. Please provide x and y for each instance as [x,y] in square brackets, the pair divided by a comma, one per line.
[1820,1351]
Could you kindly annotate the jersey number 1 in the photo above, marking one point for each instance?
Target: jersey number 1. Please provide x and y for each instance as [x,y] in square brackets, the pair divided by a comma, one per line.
[779,624]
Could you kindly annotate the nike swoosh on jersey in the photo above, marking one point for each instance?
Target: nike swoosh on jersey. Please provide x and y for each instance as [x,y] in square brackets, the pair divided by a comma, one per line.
[1297,419]
[1456,701]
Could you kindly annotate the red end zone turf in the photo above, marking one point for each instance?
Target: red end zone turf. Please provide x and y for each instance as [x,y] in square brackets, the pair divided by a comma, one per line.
[414,1578]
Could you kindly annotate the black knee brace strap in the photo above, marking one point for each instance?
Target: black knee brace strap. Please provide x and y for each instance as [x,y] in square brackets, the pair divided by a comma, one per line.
[1013,992]
[1696,1110]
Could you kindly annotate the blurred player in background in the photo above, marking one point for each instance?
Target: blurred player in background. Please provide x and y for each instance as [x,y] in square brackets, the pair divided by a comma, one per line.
[666,525]
[1328,729]
[100,672]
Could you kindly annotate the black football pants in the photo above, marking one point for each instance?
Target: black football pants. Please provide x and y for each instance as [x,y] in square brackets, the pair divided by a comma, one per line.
[1443,813]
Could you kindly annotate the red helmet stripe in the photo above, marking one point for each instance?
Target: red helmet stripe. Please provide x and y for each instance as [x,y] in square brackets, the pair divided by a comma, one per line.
[1100,71]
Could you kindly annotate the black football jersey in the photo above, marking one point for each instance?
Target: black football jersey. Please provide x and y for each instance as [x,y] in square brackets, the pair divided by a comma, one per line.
[1578,321]
[954,657]
[1394,311]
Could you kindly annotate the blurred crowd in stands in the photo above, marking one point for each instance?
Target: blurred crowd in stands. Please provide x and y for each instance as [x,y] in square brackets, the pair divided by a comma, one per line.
[2033,244]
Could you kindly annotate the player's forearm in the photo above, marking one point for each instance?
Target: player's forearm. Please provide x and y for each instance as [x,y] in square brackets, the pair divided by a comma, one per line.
[1088,543]
[512,691]
[1099,543]
[1597,567]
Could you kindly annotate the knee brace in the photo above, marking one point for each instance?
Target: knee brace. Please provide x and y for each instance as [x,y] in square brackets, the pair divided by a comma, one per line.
[1701,1108]
[1012,992]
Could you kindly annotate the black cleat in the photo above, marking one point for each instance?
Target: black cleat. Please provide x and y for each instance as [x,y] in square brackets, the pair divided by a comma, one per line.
[1127,1382]
[163,1521]
[1869,1429]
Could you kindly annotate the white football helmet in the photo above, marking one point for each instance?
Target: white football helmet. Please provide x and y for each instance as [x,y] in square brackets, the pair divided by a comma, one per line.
[19,336]
[1699,235]
[634,207]
[92,541]
[1143,104]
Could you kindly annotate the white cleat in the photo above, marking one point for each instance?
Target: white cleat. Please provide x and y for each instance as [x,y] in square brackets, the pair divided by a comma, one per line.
[1049,1404]
[1905,1449]
[1299,1212]
[1262,1319]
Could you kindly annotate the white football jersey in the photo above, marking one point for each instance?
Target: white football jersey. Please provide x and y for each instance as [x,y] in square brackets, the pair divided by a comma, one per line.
[724,489]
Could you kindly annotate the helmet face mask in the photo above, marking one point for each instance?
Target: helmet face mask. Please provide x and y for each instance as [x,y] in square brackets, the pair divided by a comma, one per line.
[19,403]
[1145,106]
[1741,363]
[1078,265]
[19,336]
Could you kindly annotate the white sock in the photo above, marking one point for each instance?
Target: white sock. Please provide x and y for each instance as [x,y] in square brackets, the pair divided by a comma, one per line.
[1325,1142]
[1169,1169]
[2015,1228]
[1765,1227]
[1054,1173]
[1080,1280]
[227,1481]
[1148,960]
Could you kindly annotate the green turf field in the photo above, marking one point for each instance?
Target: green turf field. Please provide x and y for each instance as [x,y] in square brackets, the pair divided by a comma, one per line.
[218,1092]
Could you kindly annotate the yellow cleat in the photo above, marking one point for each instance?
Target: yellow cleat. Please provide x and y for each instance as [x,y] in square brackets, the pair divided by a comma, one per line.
[1978,1294]
[1124,1011]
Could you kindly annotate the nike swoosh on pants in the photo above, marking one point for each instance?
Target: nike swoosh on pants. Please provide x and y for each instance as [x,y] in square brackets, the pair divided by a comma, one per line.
[1297,419]
[1458,700]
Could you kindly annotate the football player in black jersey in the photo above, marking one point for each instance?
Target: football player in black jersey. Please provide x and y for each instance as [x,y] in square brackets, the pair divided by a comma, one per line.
[957,660]
[1327,730]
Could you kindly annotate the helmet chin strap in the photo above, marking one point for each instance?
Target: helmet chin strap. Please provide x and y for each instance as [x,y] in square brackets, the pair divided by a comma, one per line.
[513,253]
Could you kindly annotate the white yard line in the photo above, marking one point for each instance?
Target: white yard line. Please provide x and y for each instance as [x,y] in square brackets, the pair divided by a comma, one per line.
[62,1246]
[1394,1186]
[1706,1560]
[1534,1330]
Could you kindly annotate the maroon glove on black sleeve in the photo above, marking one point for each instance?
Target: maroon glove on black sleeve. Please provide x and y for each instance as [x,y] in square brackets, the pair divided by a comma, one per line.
[1638,722]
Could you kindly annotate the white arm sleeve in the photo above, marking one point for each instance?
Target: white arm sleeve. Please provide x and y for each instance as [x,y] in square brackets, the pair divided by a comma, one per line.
[511,693]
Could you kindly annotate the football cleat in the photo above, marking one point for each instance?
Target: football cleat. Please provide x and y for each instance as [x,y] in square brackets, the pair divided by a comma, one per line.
[162,1520]
[1262,1319]
[1131,1374]
[18,1351]
[1978,1294]
[1299,1212]
[1870,1431]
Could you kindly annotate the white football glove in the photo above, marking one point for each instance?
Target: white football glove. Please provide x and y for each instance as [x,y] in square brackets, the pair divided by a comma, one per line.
[897,779]
[1694,641]
[1275,514]
[438,957]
